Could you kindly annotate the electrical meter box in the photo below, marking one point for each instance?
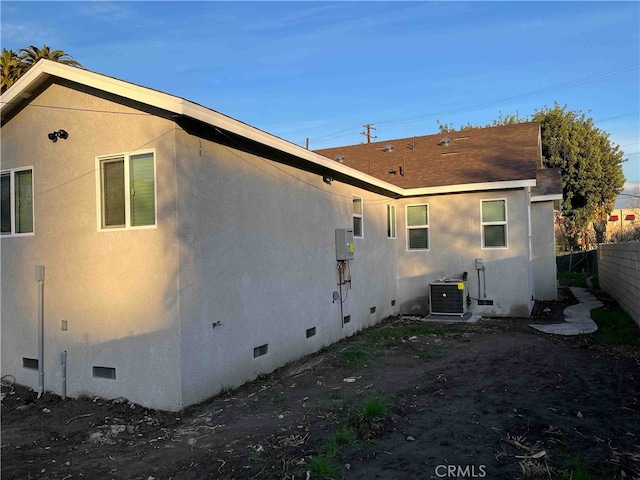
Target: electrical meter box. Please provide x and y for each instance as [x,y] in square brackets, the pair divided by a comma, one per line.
[344,244]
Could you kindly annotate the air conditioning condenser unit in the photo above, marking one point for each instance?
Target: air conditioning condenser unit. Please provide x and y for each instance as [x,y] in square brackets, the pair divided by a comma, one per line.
[448,298]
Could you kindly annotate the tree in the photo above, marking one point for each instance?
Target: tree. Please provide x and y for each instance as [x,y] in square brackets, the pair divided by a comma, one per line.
[11,68]
[16,64]
[31,55]
[591,165]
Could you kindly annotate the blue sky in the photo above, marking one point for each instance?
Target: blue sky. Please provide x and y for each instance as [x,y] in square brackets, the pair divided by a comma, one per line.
[320,70]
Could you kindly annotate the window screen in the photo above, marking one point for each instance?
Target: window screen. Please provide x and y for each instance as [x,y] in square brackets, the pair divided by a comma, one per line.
[418,227]
[494,223]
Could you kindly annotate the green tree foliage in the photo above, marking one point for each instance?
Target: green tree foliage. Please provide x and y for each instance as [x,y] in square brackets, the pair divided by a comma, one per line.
[11,68]
[16,64]
[591,165]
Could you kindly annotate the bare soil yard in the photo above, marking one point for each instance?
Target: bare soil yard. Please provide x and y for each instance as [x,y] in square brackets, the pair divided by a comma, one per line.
[404,400]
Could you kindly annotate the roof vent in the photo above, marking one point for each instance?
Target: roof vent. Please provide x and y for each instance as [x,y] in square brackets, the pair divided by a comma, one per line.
[387,148]
[340,158]
[445,142]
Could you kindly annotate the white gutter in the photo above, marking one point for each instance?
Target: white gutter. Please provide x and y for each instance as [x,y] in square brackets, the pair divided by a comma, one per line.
[468,187]
[546,198]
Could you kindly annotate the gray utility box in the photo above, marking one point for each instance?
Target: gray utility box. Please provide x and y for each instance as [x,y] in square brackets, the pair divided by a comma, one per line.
[344,244]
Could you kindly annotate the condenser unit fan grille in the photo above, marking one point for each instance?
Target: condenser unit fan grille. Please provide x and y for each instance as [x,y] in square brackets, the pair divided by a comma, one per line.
[448,298]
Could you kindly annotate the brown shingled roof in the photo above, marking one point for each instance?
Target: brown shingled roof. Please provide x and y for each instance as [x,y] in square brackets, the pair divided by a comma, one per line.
[548,182]
[479,155]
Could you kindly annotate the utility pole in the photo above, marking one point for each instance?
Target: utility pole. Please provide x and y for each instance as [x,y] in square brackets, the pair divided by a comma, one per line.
[367,133]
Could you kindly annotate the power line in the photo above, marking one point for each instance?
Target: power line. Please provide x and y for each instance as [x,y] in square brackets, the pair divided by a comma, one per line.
[493,103]
[56,107]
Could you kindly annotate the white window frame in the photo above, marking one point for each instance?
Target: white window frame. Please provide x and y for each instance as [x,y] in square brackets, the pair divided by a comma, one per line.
[412,227]
[126,156]
[358,215]
[12,175]
[505,223]
[392,226]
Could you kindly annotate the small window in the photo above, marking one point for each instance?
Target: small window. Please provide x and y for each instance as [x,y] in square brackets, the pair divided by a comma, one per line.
[393,303]
[261,350]
[358,215]
[418,227]
[16,201]
[127,191]
[104,372]
[311,332]
[391,221]
[494,223]
[346,319]
[372,310]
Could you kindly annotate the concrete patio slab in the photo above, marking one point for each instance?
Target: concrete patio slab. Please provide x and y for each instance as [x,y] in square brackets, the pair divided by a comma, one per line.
[577,318]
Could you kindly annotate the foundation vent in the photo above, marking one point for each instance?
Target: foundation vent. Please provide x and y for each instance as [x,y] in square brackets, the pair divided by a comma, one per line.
[30,363]
[104,372]
[261,350]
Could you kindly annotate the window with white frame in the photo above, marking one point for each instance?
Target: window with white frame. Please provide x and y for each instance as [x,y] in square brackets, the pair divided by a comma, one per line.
[391,221]
[494,223]
[417,227]
[127,191]
[16,201]
[358,215]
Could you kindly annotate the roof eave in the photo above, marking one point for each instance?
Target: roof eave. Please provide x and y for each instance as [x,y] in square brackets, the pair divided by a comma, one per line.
[469,187]
[546,198]
[44,69]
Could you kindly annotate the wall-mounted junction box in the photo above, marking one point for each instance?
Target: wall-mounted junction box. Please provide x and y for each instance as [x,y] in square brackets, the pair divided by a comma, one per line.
[344,244]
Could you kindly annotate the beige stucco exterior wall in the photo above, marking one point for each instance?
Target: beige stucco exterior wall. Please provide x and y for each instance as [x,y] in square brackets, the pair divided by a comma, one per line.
[257,255]
[243,255]
[117,291]
[455,242]
[543,250]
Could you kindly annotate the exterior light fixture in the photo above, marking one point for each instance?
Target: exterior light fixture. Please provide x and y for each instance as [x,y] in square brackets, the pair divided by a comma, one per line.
[54,136]
[327,180]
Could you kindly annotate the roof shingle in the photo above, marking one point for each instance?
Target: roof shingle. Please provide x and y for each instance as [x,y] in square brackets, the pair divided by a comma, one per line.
[479,155]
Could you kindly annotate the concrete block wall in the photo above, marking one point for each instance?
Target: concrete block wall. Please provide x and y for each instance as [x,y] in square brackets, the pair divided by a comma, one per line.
[619,274]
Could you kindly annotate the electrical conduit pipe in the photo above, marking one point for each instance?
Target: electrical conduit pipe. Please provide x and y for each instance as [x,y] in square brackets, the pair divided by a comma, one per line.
[40,280]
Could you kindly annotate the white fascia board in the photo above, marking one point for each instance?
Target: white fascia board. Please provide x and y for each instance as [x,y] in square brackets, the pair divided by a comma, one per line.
[180,106]
[546,198]
[22,87]
[214,118]
[469,187]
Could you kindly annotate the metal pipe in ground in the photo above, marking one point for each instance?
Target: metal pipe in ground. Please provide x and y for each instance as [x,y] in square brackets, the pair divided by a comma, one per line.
[63,362]
[40,280]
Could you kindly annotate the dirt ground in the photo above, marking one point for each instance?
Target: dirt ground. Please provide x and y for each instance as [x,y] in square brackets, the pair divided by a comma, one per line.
[494,400]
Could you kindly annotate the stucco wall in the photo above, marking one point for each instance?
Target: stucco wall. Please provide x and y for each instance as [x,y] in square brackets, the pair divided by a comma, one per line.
[257,254]
[619,274]
[243,255]
[117,291]
[455,242]
[543,251]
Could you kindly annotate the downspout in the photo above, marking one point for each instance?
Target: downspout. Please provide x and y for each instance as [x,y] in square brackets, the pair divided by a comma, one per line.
[532,283]
[40,280]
